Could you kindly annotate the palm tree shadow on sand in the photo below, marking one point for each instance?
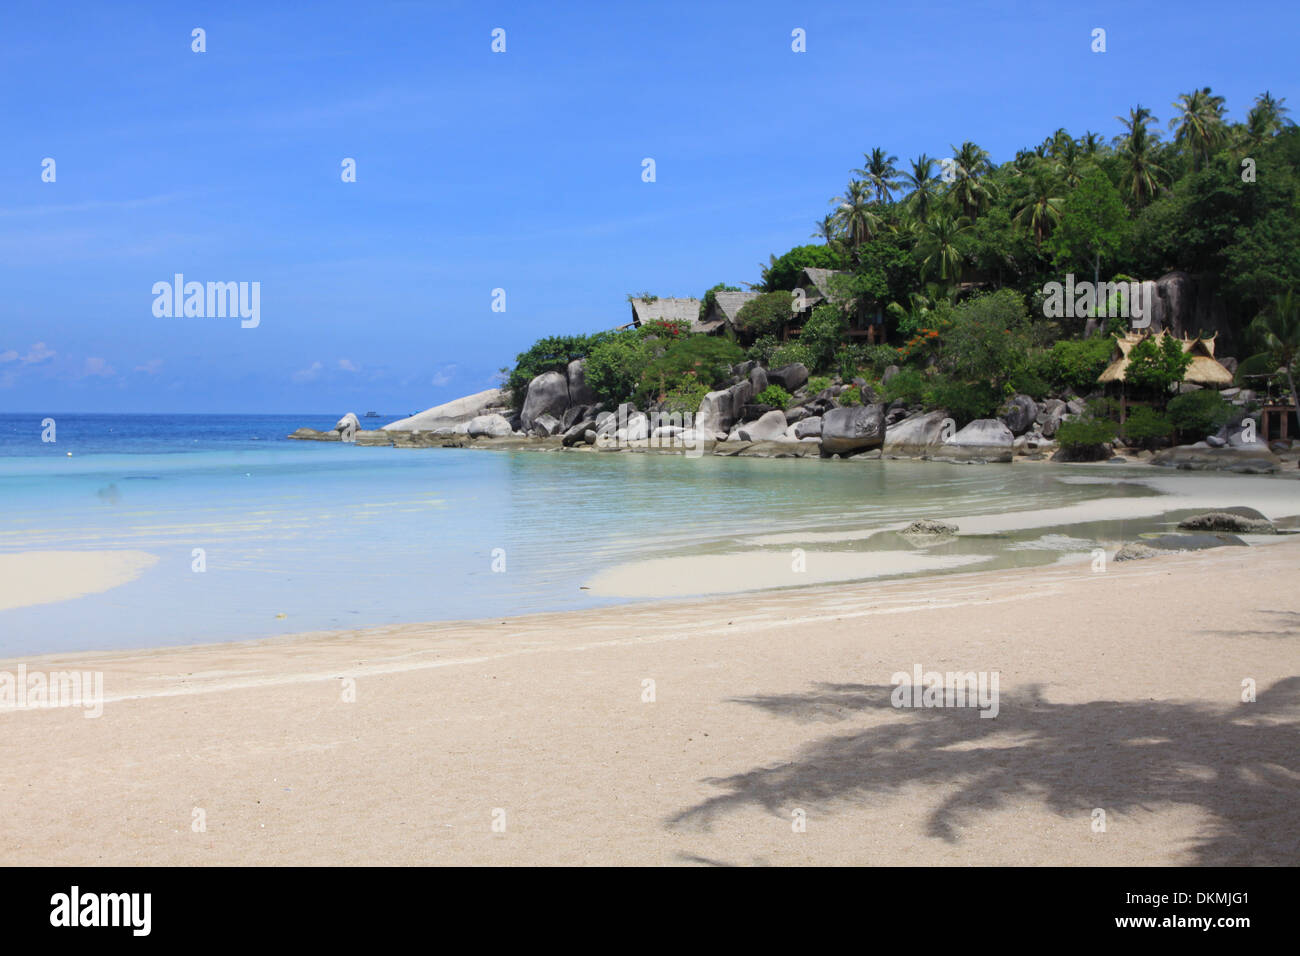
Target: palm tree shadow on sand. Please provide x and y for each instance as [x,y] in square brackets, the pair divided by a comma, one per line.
[1240,764]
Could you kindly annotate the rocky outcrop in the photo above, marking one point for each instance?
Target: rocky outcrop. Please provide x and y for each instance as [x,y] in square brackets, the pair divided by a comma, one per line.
[915,436]
[983,440]
[848,431]
[348,423]
[810,427]
[544,426]
[548,394]
[451,414]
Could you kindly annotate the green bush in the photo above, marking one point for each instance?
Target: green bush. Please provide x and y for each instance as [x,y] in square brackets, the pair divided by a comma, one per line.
[1075,364]
[1199,413]
[685,397]
[705,359]
[817,383]
[790,353]
[849,396]
[822,335]
[1085,432]
[908,386]
[964,401]
[615,365]
[767,314]
[763,348]
[1145,426]
[775,396]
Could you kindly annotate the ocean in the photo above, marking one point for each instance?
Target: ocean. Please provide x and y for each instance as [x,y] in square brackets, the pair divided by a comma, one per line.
[304,536]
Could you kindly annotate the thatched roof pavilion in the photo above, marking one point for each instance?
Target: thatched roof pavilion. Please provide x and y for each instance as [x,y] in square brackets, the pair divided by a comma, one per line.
[726,304]
[1205,369]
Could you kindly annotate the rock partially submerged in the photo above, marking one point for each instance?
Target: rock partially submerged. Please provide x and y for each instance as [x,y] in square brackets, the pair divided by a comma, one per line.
[1228,521]
[1255,459]
[928,526]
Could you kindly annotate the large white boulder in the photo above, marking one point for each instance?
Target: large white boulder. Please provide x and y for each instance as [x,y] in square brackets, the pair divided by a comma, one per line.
[548,394]
[983,440]
[488,426]
[453,413]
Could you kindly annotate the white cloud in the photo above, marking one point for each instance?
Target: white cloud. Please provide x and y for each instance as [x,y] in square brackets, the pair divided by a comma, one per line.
[347,365]
[97,367]
[150,367]
[9,356]
[40,352]
[444,375]
[309,374]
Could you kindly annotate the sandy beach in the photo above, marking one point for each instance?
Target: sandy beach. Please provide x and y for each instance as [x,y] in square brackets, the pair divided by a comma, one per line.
[1119,692]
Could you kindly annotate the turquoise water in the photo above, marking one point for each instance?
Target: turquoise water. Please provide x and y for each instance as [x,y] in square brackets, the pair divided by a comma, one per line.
[340,536]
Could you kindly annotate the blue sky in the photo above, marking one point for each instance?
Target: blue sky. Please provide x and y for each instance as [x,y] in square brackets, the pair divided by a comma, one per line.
[478,171]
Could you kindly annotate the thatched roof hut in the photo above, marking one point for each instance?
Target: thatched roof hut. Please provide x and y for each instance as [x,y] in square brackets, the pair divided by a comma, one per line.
[1205,369]
[816,285]
[667,310]
[725,306]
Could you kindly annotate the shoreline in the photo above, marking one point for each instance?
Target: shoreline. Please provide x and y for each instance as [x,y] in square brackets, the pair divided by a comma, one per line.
[1117,691]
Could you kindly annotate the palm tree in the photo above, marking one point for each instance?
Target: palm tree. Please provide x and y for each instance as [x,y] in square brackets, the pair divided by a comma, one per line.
[880,173]
[855,214]
[1090,143]
[1277,329]
[1041,209]
[1070,163]
[970,191]
[1142,174]
[828,229]
[1266,118]
[938,244]
[1200,125]
[923,186]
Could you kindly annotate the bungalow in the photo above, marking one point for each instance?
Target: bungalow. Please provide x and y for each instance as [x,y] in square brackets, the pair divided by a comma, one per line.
[723,309]
[817,286]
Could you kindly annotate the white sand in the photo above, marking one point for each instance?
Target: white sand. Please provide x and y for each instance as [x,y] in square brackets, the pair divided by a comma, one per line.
[1120,691]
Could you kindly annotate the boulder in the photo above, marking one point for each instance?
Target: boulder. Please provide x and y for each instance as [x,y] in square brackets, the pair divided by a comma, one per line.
[577,434]
[791,377]
[548,394]
[757,379]
[808,427]
[983,440]
[451,414]
[1136,551]
[348,422]
[889,372]
[770,427]
[580,392]
[1253,459]
[715,415]
[575,414]
[1053,413]
[544,426]
[915,436]
[858,428]
[1019,413]
[488,426]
